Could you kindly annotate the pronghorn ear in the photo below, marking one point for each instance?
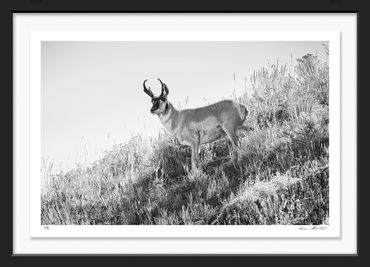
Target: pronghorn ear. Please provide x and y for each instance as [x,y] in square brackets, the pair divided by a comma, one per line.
[164,89]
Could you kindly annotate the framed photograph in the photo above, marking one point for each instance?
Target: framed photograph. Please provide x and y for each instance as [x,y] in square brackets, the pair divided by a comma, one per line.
[271,181]
[191,134]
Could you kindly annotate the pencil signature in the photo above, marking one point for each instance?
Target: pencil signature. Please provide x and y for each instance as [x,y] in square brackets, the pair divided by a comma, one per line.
[313,227]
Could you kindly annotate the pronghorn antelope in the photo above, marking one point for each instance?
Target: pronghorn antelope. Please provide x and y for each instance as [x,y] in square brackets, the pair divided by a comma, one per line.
[194,127]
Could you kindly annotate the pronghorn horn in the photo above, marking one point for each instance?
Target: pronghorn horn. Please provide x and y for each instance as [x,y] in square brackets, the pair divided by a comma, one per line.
[148,91]
[164,88]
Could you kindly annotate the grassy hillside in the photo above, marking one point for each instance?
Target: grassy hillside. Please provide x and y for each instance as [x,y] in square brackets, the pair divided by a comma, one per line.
[280,177]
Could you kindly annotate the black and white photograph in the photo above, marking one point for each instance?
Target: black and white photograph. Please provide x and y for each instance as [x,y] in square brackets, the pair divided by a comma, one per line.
[185,133]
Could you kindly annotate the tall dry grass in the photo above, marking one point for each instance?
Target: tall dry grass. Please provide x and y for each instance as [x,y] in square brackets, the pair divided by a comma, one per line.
[281,175]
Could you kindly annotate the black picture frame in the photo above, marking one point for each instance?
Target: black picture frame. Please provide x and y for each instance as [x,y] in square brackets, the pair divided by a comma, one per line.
[110,6]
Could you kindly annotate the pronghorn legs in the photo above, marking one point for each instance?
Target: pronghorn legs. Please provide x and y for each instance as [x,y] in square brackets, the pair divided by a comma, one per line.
[233,139]
[194,155]
[231,135]
[195,148]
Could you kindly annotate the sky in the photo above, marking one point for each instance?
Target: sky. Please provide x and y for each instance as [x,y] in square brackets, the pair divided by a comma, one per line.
[92,93]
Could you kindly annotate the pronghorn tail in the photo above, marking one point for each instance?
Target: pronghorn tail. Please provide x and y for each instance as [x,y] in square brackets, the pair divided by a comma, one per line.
[243,112]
